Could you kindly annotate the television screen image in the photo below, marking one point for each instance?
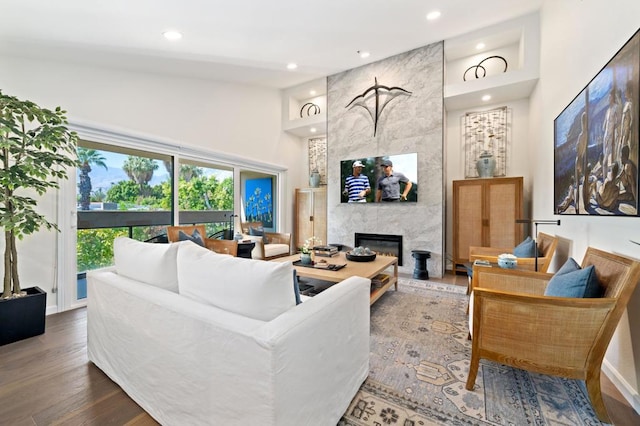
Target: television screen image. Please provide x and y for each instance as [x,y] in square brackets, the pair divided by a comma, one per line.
[384,179]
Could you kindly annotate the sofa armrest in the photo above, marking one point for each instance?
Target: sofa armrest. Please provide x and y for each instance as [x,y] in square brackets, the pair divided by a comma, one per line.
[527,327]
[511,280]
[480,252]
[258,249]
[278,238]
[325,342]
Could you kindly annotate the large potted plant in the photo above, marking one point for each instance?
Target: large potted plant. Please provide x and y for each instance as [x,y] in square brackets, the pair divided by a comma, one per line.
[36,148]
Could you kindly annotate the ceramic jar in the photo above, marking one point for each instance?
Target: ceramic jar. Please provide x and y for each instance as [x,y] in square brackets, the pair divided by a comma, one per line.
[507,261]
[305,258]
[314,178]
[486,165]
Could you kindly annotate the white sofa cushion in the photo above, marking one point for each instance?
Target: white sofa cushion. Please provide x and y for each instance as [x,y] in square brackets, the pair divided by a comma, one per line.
[153,264]
[275,249]
[270,249]
[257,289]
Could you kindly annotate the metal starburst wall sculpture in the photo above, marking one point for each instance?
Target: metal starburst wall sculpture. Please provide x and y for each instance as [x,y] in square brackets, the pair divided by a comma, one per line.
[382,95]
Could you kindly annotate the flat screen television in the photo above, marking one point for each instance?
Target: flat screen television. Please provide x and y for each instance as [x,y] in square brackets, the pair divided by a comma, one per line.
[390,178]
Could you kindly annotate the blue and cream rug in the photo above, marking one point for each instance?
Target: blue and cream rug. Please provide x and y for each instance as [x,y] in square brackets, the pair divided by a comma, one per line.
[419,364]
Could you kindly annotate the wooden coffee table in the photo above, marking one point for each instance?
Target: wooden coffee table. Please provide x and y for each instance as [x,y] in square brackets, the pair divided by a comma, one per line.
[362,269]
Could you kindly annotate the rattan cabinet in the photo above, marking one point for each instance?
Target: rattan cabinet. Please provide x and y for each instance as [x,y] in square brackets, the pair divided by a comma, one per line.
[311,215]
[484,214]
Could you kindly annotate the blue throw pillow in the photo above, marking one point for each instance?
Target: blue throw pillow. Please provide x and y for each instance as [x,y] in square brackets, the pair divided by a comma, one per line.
[195,237]
[296,288]
[527,248]
[573,281]
[259,232]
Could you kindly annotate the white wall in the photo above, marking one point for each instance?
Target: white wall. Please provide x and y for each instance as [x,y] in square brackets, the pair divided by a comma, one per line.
[578,38]
[518,163]
[242,121]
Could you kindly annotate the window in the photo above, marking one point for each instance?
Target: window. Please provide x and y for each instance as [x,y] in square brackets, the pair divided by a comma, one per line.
[205,192]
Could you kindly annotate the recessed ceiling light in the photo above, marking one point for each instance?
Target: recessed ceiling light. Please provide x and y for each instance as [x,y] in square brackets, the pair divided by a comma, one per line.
[433,15]
[312,130]
[312,92]
[480,46]
[363,54]
[292,66]
[486,98]
[172,35]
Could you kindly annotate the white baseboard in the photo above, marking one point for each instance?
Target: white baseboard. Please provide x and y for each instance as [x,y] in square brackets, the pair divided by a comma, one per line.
[630,394]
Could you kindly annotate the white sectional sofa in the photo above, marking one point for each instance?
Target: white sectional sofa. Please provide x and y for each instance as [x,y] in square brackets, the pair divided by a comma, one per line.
[199,338]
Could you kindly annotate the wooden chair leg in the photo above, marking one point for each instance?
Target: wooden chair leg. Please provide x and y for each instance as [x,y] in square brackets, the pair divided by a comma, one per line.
[595,395]
[473,372]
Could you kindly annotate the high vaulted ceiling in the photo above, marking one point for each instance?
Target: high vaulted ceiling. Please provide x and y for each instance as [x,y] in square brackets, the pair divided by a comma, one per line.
[245,41]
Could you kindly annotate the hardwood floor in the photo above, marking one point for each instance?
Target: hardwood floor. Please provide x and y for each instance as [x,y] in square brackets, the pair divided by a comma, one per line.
[48,380]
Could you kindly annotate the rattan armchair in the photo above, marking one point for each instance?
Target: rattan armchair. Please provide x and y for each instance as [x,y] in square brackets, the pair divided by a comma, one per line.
[174,231]
[546,248]
[229,247]
[516,325]
[219,246]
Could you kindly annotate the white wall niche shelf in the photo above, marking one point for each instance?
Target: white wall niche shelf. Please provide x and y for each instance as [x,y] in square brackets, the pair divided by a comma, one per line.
[517,40]
[294,99]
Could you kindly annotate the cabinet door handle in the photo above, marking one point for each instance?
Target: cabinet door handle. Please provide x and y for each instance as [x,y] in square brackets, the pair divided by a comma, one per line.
[310,218]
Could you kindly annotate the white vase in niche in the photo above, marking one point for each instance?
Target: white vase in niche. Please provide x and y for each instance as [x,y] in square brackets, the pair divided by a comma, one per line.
[486,165]
[314,178]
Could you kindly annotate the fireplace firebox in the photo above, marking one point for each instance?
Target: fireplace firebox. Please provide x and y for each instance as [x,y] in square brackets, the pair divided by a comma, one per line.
[383,244]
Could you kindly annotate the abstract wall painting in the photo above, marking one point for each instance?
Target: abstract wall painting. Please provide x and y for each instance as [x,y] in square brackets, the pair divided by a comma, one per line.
[486,132]
[596,141]
[258,202]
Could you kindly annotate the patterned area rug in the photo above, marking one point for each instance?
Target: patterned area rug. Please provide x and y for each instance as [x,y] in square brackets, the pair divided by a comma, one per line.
[419,364]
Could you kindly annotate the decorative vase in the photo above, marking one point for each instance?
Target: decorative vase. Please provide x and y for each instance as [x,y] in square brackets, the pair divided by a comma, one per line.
[486,165]
[314,178]
[305,258]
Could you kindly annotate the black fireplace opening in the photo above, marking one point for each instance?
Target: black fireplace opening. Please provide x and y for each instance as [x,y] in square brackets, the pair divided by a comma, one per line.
[383,244]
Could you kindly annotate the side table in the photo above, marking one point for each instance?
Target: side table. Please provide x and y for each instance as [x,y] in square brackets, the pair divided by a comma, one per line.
[245,248]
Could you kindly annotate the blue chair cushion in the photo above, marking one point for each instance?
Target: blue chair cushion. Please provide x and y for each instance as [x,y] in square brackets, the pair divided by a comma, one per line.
[527,248]
[195,237]
[573,281]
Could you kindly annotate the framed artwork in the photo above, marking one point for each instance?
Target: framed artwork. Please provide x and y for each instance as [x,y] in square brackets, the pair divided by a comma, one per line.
[486,132]
[318,158]
[596,142]
[258,202]
[399,176]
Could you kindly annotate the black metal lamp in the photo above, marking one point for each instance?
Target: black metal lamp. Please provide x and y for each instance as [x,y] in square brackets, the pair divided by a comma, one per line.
[535,238]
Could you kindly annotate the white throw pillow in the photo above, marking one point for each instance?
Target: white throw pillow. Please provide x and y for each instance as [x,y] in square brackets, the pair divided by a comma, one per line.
[253,288]
[149,263]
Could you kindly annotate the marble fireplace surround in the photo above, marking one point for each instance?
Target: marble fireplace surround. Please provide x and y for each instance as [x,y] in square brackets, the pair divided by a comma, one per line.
[407,124]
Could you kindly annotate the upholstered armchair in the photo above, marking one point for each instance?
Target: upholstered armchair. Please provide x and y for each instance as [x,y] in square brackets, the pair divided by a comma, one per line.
[546,248]
[269,245]
[514,323]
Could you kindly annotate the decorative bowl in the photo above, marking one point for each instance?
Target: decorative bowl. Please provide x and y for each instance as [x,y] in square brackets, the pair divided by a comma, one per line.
[507,261]
[360,257]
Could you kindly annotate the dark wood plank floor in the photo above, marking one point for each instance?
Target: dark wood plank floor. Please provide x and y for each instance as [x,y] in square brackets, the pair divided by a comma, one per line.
[48,380]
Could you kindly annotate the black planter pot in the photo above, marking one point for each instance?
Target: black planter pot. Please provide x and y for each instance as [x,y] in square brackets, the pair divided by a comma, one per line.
[22,317]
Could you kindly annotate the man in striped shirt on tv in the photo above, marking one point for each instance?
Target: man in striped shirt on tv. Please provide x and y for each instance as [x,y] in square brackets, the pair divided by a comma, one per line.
[356,186]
